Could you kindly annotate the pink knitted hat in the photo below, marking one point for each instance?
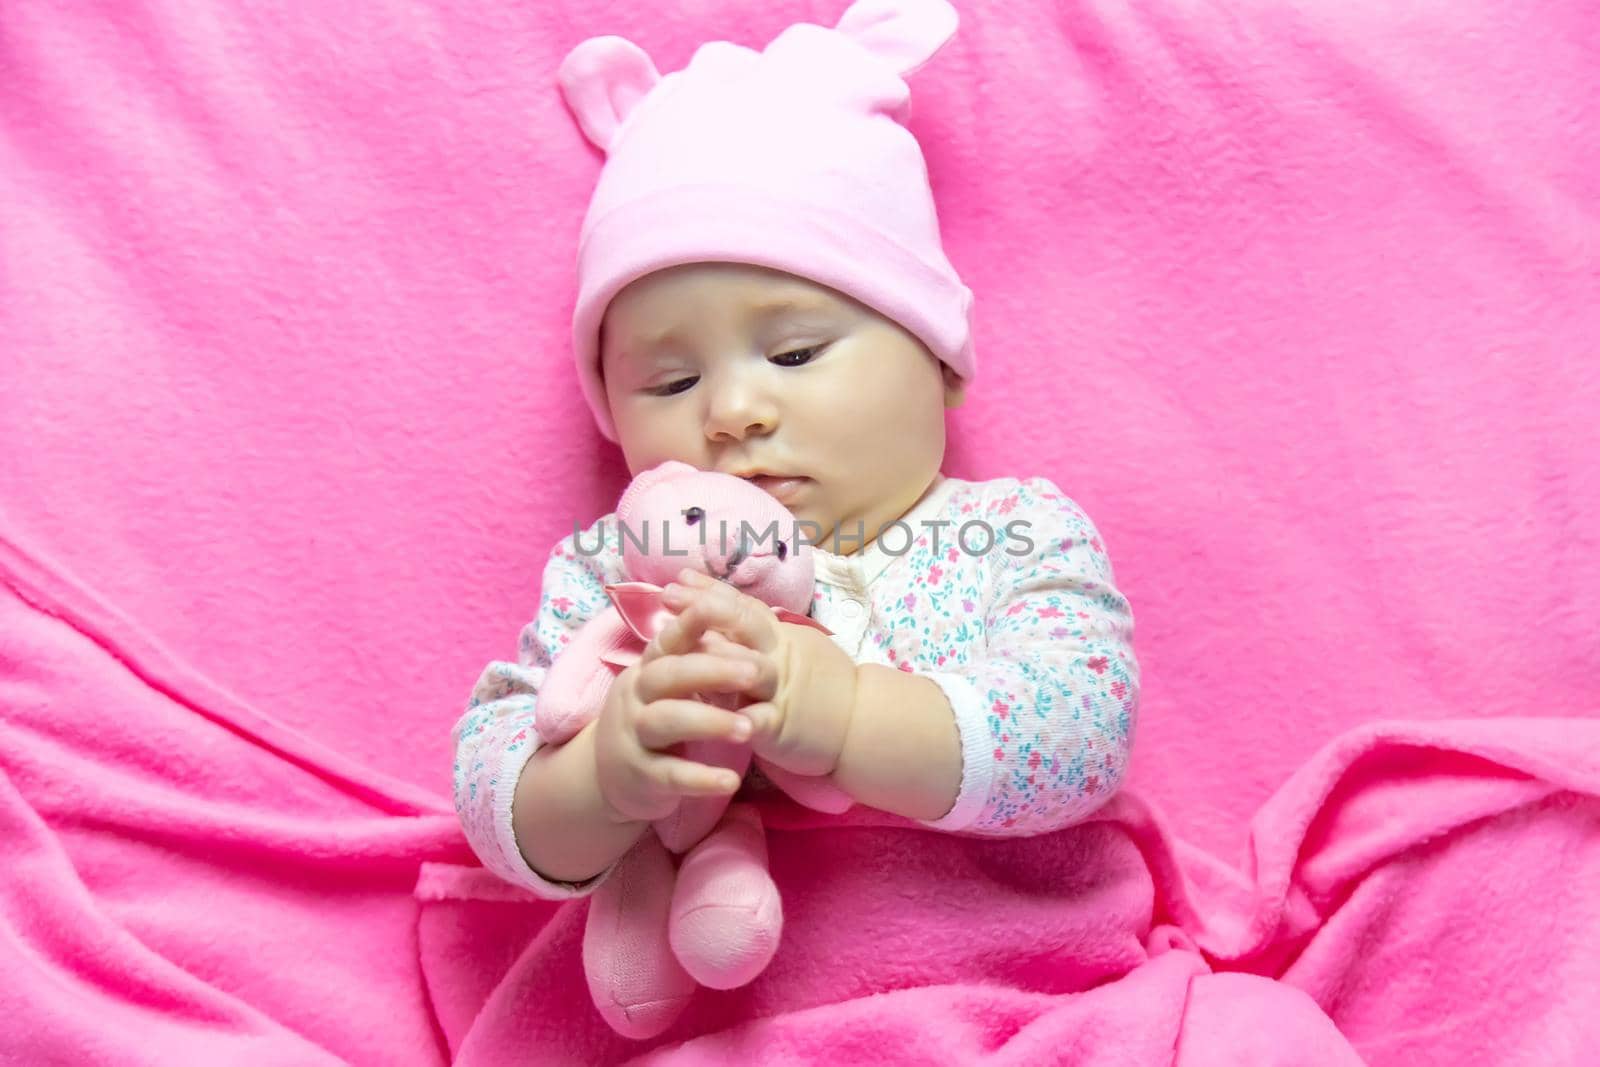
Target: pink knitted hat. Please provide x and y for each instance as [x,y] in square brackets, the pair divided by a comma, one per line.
[794,158]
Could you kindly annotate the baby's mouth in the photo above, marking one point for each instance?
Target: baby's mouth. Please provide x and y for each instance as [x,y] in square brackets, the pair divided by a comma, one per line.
[783,488]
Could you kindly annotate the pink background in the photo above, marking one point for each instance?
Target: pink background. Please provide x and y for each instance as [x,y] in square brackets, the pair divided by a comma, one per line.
[1298,301]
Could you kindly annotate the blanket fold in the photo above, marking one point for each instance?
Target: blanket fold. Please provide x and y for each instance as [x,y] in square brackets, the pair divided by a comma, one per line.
[187,879]
[1113,927]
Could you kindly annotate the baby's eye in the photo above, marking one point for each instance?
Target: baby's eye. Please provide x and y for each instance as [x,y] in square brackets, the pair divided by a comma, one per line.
[673,388]
[783,551]
[693,515]
[808,355]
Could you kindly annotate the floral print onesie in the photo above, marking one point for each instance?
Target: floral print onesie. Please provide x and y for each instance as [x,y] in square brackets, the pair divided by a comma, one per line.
[999,591]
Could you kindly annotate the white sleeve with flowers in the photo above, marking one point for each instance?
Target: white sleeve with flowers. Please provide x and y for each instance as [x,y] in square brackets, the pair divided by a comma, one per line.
[495,738]
[1046,695]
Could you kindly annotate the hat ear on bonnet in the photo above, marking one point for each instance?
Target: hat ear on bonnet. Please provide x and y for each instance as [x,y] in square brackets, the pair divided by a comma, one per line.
[604,78]
[903,33]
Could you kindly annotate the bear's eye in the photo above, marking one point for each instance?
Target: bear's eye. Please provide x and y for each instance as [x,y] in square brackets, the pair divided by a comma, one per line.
[693,515]
[783,551]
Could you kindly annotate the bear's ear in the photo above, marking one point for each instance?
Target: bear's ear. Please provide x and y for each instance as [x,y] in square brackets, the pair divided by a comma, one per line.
[903,33]
[639,604]
[602,80]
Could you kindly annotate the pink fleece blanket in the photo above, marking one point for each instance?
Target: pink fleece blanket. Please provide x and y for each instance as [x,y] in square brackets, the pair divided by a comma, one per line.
[185,877]
[1296,299]
[1421,894]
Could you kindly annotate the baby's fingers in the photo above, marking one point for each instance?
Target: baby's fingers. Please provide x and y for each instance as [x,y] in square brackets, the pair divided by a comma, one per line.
[700,672]
[690,779]
[738,616]
[664,723]
[678,636]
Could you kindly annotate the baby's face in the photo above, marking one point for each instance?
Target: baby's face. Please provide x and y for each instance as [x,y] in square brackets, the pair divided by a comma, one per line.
[738,368]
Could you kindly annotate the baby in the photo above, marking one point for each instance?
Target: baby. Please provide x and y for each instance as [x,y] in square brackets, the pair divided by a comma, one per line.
[762,292]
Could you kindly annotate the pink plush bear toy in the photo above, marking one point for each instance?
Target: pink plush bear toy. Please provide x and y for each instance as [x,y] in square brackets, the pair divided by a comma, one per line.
[653,931]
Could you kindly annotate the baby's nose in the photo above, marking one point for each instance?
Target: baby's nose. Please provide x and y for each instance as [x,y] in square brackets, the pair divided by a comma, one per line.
[740,409]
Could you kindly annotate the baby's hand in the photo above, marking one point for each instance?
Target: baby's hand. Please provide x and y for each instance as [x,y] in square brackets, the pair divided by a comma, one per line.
[648,710]
[804,691]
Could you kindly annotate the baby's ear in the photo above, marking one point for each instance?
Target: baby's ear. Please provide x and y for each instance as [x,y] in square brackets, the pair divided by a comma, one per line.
[903,33]
[602,80]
